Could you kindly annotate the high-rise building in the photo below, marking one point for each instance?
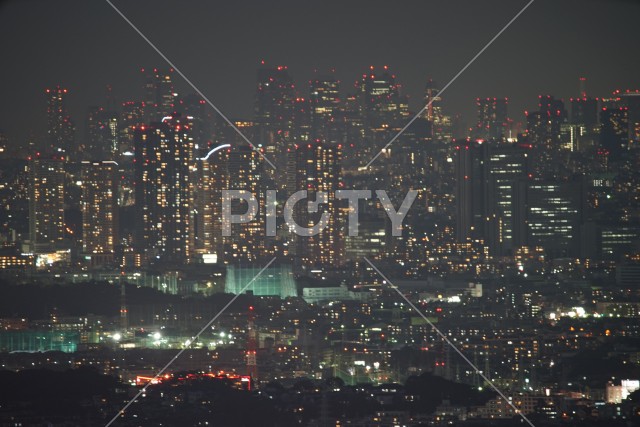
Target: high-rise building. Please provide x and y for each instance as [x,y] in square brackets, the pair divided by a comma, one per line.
[302,131]
[441,124]
[507,165]
[543,126]
[492,118]
[61,129]
[194,109]
[550,215]
[132,116]
[248,244]
[614,133]
[584,124]
[273,111]
[380,103]
[46,204]
[316,167]
[471,176]
[324,95]
[163,180]
[159,96]
[486,180]
[584,111]
[351,132]
[630,99]
[211,179]
[99,210]
[102,134]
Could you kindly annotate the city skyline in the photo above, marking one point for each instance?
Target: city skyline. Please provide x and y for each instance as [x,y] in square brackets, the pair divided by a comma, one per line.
[197,228]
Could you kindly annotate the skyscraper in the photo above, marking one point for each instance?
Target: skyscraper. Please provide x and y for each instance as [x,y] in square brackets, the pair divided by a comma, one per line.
[46,204]
[379,100]
[614,133]
[471,181]
[584,111]
[492,118]
[211,179]
[195,110]
[507,164]
[61,129]
[441,125]
[302,131]
[159,96]
[99,210]
[584,122]
[133,114]
[273,110]
[324,94]
[163,179]
[102,134]
[248,243]
[316,167]
[543,126]
[486,180]
[630,99]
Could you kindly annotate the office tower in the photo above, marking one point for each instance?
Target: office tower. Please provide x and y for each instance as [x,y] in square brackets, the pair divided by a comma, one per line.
[507,165]
[486,174]
[614,132]
[553,109]
[584,124]
[492,118]
[536,132]
[159,95]
[132,116]
[550,215]
[46,204]
[324,95]
[99,210]
[163,179]
[211,179]
[543,126]
[471,179]
[351,133]
[583,127]
[432,99]
[101,134]
[379,101]
[248,244]
[61,129]
[195,110]
[441,125]
[584,111]
[302,125]
[273,110]
[630,99]
[316,167]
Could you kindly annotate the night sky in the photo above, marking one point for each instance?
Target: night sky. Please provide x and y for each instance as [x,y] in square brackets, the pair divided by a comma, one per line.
[85,45]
